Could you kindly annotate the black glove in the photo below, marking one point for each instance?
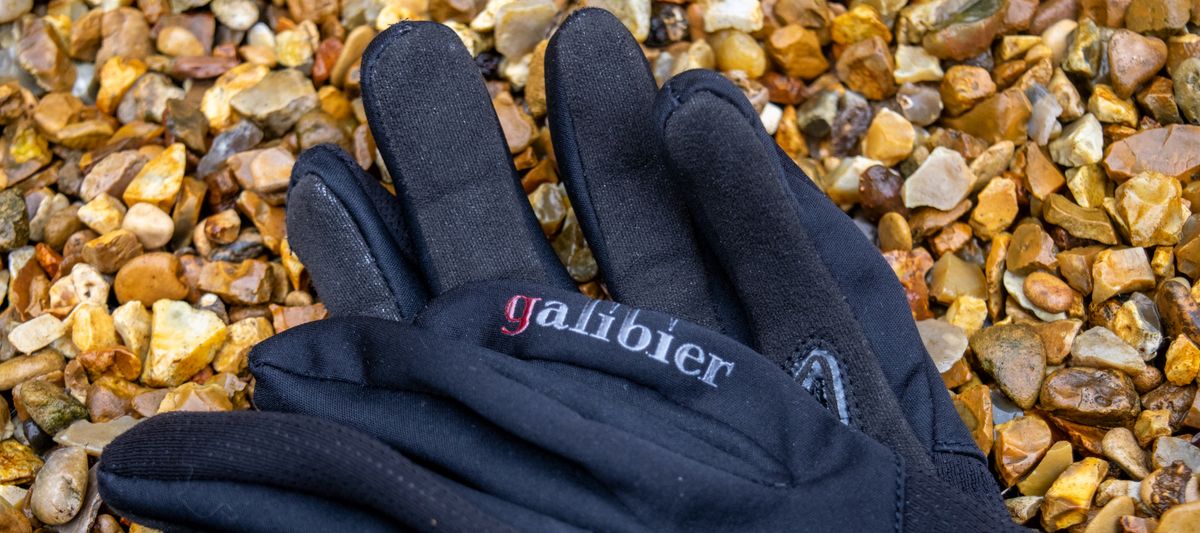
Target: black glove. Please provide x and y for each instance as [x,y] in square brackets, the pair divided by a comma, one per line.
[462,385]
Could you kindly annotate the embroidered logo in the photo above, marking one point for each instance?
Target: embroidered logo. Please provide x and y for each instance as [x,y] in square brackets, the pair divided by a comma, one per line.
[819,374]
[521,312]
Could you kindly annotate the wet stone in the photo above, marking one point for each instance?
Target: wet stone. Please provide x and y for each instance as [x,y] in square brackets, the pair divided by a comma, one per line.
[1090,396]
[1069,498]
[57,494]
[1122,448]
[49,405]
[1100,348]
[1020,443]
[1014,355]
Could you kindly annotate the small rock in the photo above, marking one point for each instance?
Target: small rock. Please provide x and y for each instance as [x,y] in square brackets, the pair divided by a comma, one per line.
[1031,249]
[183,341]
[1090,223]
[14,221]
[149,278]
[519,128]
[941,182]
[965,86]
[1020,444]
[1168,450]
[1137,323]
[920,104]
[1158,99]
[1053,463]
[741,15]
[238,15]
[1022,509]
[124,33]
[103,214]
[879,192]
[1109,108]
[92,327]
[1081,143]
[1168,487]
[1090,396]
[1151,424]
[1014,355]
[132,322]
[944,342]
[1048,292]
[1118,271]
[49,405]
[889,139]
[1181,518]
[1100,348]
[1183,362]
[974,406]
[797,50]
[19,464]
[159,181]
[953,278]
[914,65]
[1109,517]
[277,101]
[1069,498]
[196,398]
[1003,116]
[894,233]
[1187,88]
[1161,150]
[35,334]
[1158,17]
[147,98]
[13,10]
[1121,447]
[187,125]
[112,174]
[110,251]
[41,55]
[57,494]
[177,41]
[866,67]
[150,224]
[243,335]
[1133,59]
[245,283]
[93,437]
[997,208]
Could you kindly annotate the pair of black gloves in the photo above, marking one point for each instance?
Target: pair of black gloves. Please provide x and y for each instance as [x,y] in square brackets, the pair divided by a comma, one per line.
[758,369]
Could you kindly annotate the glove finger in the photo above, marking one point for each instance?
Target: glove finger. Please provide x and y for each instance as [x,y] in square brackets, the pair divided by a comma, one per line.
[797,314]
[853,269]
[435,126]
[601,96]
[348,232]
[248,471]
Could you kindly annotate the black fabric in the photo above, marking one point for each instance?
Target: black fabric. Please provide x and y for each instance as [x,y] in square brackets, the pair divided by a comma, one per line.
[434,124]
[838,259]
[797,397]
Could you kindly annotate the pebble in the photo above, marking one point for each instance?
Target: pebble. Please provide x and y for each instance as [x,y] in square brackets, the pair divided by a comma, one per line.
[941,182]
[1122,448]
[150,224]
[159,181]
[1120,270]
[49,405]
[1109,517]
[1159,17]
[243,335]
[737,51]
[112,250]
[14,221]
[1020,443]
[634,14]
[797,50]
[1187,88]
[1151,424]
[741,15]
[19,464]
[1014,355]
[40,54]
[1090,396]
[964,86]
[194,397]
[889,139]
[277,101]
[57,493]
[1133,59]
[112,175]
[1090,223]
[1182,362]
[1067,501]
[18,369]
[1137,323]
[13,10]
[1081,143]
[236,14]
[183,341]
[1100,348]
[1160,150]
[146,99]
[1022,509]
[1181,518]
[1048,292]
[35,334]
[1003,116]
[1169,449]
[1041,174]
[974,406]
[132,322]
[1167,487]
[866,67]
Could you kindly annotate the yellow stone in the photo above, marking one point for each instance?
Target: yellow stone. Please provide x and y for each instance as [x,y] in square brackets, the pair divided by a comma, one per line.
[28,146]
[132,322]
[103,214]
[19,464]
[1069,498]
[215,102]
[996,209]
[860,23]
[798,51]
[967,312]
[196,398]
[889,139]
[1183,361]
[158,182]
[1056,460]
[1151,424]
[1117,271]
[735,50]
[177,41]
[1151,206]
[243,335]
[1163,262]
[1182,518]
[334,102]
[92,328]
[117,76]
[1108,519]
[1112,109]
[183,340]
[292,48]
